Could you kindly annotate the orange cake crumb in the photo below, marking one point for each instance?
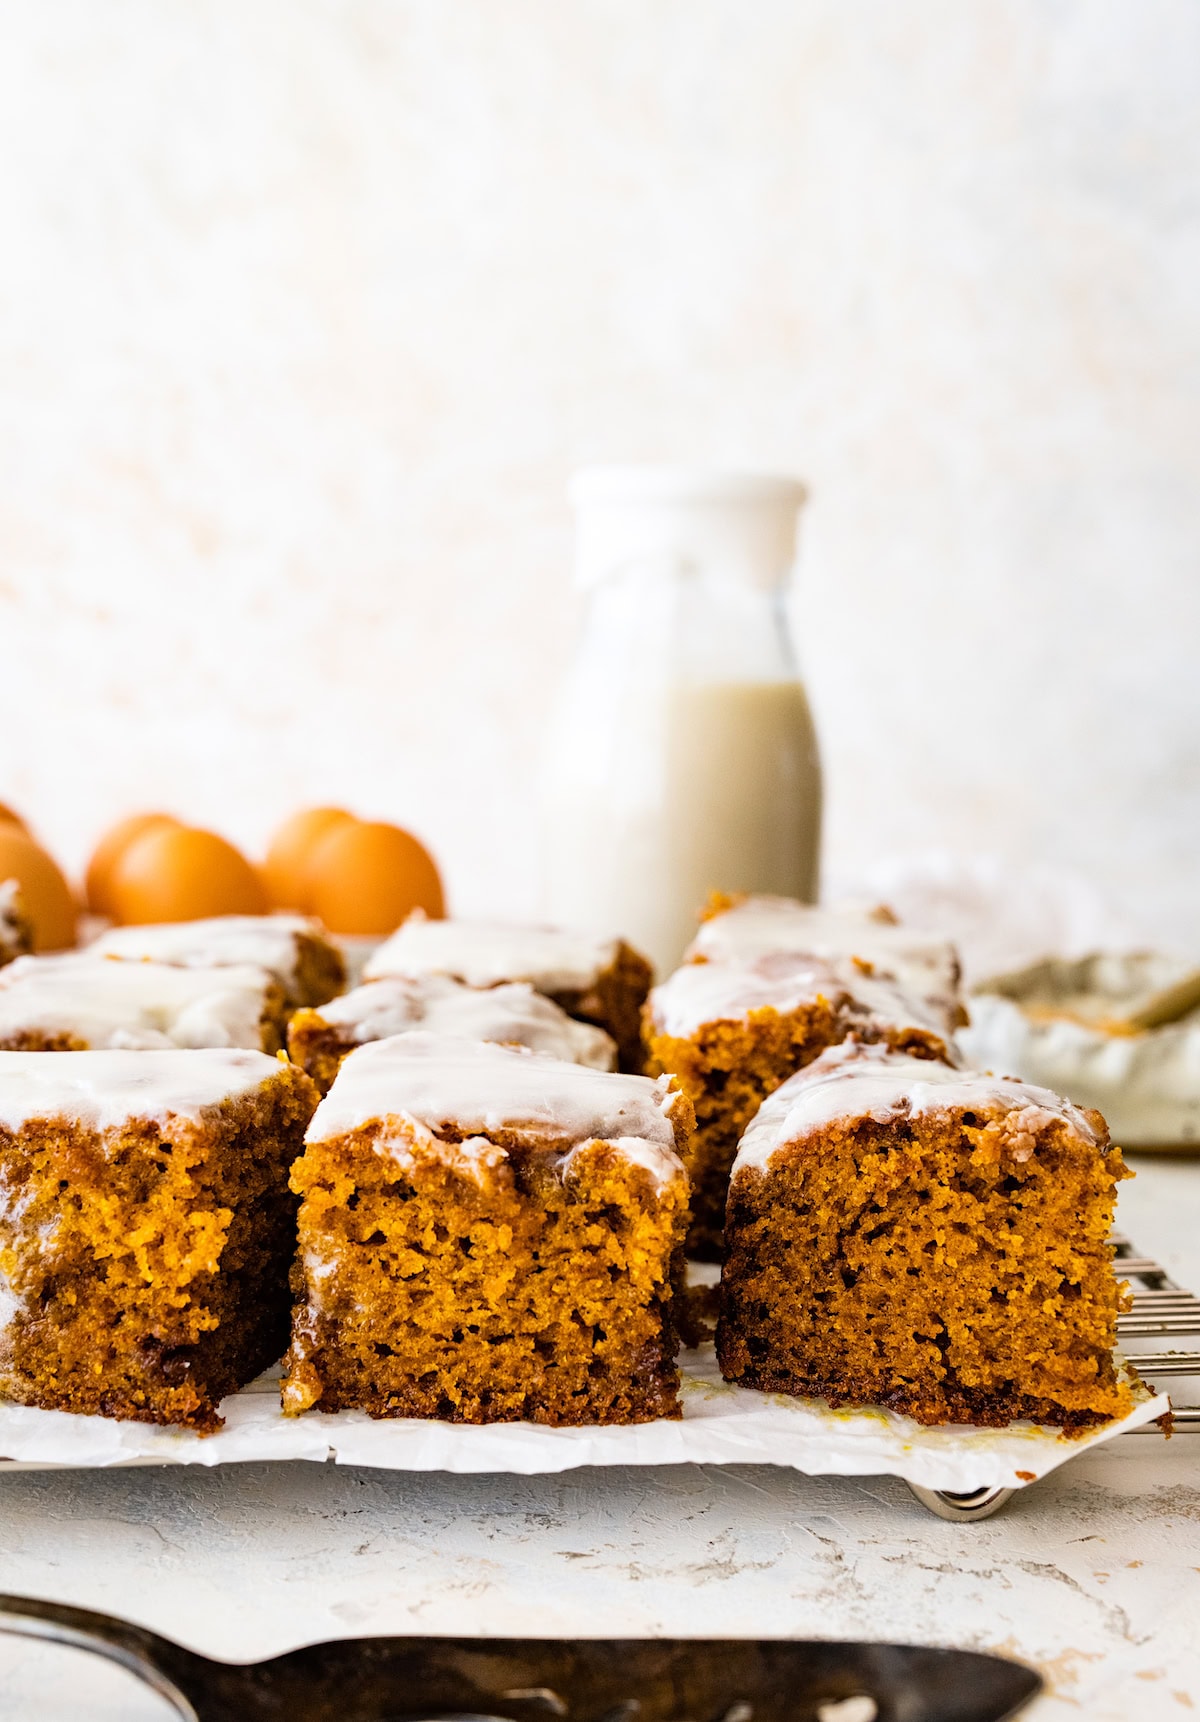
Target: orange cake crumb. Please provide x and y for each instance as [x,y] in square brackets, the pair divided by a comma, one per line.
[488,1234]
[931,1240]
[146,1227]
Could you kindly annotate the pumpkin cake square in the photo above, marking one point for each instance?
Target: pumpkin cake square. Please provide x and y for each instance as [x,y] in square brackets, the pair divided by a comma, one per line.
[513,1014]
[294,950]
[928,1239]
[731,1033]
[146,1227]
[489,1235]
[76,1002]
[601,981]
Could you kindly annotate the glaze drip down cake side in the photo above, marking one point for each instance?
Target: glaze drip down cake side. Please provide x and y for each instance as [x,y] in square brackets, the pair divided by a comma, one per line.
[601,981]
[931,1240]
[487,1234]
[146,1227]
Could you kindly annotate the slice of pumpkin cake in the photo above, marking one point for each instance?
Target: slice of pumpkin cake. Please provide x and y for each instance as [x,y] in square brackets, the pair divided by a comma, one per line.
[488,1234]
[932,1240]
[732,1032]
[146,1227]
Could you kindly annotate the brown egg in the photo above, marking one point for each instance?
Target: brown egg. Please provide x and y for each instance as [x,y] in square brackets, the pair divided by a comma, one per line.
[116,840]
[366,877]
[177,873]
[286,867]
[8,817]
[45,895]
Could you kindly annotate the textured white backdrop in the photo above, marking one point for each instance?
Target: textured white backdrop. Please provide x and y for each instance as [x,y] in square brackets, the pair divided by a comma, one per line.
[307,310]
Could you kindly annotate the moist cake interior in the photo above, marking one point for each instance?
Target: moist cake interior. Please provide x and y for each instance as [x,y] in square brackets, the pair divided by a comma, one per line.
[510,1287]
[487,1234]
[144,1266]
[953,1266]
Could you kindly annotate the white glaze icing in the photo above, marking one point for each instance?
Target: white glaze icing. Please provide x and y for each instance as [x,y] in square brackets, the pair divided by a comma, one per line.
[700,993]
[760,925]
[483,953]
[513,1012]
[112,1004]
[870,1082]
[270,942]
[436,1083]
[103,1090]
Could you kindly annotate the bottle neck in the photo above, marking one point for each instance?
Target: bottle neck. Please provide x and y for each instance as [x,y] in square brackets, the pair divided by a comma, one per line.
[744,523]
[691,622]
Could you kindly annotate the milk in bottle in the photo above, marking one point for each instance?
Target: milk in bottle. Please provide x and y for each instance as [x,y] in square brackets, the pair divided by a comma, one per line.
[681,757]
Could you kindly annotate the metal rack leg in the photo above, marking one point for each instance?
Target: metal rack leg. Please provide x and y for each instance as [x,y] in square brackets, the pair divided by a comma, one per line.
[979,1504]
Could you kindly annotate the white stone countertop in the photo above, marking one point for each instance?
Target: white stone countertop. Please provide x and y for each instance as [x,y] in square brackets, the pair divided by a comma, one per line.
[1092,1575]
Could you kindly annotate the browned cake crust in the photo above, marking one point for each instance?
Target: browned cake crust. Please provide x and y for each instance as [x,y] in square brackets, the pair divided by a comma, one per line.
[16,929]
[33,1040]
[320,972]
[317,1047]
[727,1068]
[614,1003]
[151,1276]
[534,1295]
[955,1268]
[274,1019]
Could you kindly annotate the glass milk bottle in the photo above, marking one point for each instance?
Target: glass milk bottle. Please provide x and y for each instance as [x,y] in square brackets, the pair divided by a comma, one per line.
[681,758]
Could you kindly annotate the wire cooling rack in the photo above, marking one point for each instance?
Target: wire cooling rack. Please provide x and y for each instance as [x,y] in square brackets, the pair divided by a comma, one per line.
[1164,1311]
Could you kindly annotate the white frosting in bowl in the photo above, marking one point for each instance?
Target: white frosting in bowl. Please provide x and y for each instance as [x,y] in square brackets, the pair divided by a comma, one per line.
[1147,1085]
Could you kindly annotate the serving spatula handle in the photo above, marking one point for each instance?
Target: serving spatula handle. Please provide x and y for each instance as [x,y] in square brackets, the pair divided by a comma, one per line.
[153,1660]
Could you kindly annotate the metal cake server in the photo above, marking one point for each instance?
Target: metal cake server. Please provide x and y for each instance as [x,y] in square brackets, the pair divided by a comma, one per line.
[541,1679]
